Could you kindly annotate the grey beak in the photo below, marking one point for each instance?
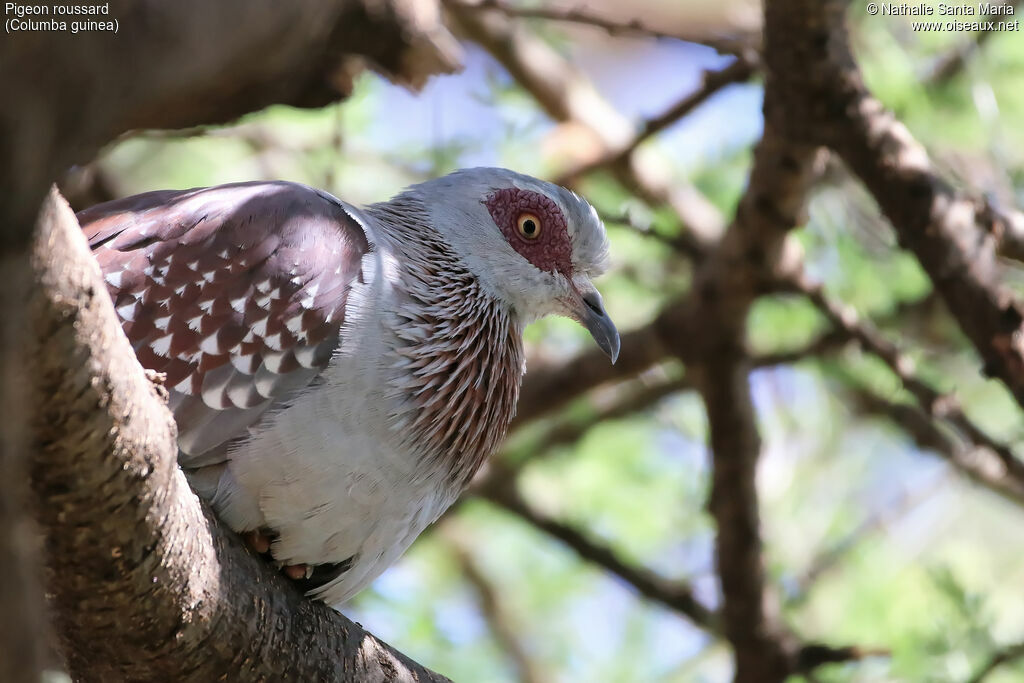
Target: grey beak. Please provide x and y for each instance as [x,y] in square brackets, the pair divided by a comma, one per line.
[601,328]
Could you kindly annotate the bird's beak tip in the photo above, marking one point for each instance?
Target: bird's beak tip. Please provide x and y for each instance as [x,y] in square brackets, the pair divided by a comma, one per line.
[612,347]
[600,326]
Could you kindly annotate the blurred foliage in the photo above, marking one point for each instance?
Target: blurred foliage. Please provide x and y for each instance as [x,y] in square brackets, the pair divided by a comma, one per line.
[926,565]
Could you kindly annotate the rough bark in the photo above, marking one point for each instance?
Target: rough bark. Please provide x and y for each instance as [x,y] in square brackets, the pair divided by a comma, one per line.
[726,287]
[169,65]
[145,584]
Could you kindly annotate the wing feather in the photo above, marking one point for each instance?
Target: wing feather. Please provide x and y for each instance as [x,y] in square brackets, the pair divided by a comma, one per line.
[236,292]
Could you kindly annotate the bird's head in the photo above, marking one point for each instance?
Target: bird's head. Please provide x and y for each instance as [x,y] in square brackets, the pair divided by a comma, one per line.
[533,245]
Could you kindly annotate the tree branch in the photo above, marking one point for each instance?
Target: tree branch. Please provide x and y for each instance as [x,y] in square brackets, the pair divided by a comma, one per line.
[975,461]
[192,62]
[726,286]
[635,27]
[678,596]
[567,96]
[949,233]
[741,69]
[675,595]
[146,584]
[1006,655]
[941,406]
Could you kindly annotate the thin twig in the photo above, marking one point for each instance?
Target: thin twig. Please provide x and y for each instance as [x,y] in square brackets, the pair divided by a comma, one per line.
[936,404]
[741,69]
[676,595]
[978,464]
[877,521]
[566,94]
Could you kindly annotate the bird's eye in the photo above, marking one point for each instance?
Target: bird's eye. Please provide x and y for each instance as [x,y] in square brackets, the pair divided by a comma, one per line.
[529,226]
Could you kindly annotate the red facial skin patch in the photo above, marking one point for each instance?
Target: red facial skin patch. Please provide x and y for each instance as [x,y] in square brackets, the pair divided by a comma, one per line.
[551,250]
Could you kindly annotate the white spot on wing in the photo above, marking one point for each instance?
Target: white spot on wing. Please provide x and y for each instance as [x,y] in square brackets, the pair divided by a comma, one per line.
[210,345]
[272,362]
[214,384]
[113,279]
[273,341]
[244,363]
[162,346]
[305,355]
[184,386]
[128,311]
[294,324]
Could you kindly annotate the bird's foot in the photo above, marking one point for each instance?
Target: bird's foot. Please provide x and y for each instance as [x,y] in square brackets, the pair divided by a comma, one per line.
[306,576]
[298,572]
[257,541]
[317,575]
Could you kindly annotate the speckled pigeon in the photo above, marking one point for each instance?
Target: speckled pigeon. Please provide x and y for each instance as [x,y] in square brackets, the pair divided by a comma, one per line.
[339,374]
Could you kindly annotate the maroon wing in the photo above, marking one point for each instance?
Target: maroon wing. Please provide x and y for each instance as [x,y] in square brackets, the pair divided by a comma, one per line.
[236,292]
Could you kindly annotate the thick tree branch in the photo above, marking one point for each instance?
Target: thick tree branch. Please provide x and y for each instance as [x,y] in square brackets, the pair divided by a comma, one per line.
[192,62]
[726,286]
[145,583]
[949,233]
[169,65]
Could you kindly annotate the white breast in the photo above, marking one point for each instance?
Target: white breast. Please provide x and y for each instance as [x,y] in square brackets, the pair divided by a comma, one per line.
[329,474]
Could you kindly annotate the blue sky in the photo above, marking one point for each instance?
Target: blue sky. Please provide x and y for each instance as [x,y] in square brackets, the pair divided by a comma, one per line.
[453,107]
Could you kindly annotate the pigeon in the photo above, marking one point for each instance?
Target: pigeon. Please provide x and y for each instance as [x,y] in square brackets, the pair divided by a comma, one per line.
[338,374]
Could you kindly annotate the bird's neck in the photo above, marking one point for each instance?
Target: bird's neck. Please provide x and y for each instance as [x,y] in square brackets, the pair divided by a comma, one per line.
[459,357]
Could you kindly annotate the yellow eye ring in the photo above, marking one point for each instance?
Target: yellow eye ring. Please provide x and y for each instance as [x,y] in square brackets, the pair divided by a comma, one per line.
[529,226]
